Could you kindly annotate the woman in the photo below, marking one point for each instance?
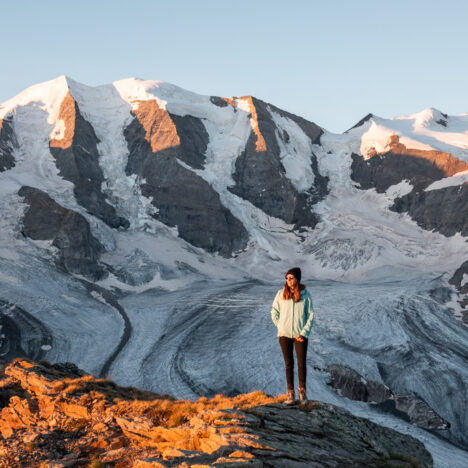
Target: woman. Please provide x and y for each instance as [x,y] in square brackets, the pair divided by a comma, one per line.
[293,315]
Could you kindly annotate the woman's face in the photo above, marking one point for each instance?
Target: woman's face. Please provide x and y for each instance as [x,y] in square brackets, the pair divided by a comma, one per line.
[291,281]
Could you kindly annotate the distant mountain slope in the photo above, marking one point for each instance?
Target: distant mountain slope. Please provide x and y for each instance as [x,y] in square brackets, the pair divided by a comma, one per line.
[241,179]
[144,229]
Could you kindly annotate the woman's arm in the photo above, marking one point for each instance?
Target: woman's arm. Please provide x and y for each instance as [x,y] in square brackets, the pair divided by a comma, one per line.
[275,310]
[309,312]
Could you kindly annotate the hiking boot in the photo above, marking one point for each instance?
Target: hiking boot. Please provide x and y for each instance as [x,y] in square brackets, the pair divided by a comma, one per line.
[290,398]
[302,394]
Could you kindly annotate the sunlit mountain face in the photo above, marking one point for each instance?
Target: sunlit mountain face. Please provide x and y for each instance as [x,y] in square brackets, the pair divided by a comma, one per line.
[145,230]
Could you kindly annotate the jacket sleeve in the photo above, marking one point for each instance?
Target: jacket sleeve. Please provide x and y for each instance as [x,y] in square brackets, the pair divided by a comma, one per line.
[275,310]
[309,311]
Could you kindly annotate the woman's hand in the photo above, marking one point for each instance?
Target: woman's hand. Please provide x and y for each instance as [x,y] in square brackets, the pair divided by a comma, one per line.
[300,338]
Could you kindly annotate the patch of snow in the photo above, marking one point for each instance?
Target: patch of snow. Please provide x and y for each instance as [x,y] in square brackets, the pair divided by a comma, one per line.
[296,153]
[422,130]
[398,190]
[98,296]
[377,138]
[464,280]
[243,104]
[459,178]
[133,90]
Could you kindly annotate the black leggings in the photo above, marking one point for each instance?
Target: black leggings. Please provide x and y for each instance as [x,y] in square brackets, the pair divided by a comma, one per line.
[301,351]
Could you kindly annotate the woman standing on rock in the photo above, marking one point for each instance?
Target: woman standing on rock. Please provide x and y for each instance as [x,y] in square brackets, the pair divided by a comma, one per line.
[293,315]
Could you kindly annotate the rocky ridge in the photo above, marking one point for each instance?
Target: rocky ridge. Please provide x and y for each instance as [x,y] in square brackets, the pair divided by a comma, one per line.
[350,384]
[59,416]
[7,143]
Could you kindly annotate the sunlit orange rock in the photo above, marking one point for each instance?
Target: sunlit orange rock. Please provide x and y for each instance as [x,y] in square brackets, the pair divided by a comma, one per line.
[67,114]
[161,131]
[86,421]
[18,414]
[447,163]
[260,144]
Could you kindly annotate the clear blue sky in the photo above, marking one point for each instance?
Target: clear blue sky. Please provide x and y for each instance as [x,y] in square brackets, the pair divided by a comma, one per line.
[331,61]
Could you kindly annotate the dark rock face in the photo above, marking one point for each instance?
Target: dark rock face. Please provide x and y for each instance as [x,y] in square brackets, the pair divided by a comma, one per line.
[381,172]
[183,198]
[457,281]
[7,143]
[218,101]
[352,385]
[361,122]
[419,413]
[186,135]
[457,278]
[22,334]
[69,231]
[260,175]
[325,433]
[193,140]
[420,167]
[77,158]
[444,210]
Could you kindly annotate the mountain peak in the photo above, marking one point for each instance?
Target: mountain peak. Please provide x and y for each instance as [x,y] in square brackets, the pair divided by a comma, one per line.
[427,117]
[361,122]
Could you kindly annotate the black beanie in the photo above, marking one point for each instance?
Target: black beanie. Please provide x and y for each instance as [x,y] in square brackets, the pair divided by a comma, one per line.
[295,272]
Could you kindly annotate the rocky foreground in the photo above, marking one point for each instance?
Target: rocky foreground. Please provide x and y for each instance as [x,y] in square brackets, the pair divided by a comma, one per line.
[58,416]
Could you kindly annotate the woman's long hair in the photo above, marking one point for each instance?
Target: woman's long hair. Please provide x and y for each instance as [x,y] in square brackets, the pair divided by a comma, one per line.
[295,294]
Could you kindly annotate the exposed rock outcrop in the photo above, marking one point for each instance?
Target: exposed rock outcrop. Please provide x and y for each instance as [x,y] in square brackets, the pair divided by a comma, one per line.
[218,101]
[45,219]
[7,143]
[260,176]
[444,210]
[22,334]
[460,281]
[56,414]
[420,167]
[352,385]
[182,198]
[186,134]
[77,158]
[361,122]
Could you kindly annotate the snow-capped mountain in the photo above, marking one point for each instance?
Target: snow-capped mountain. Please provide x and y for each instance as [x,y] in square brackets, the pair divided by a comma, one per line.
[143,227]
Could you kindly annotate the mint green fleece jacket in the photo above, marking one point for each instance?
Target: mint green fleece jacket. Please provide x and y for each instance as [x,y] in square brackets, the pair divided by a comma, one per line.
[293,318]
